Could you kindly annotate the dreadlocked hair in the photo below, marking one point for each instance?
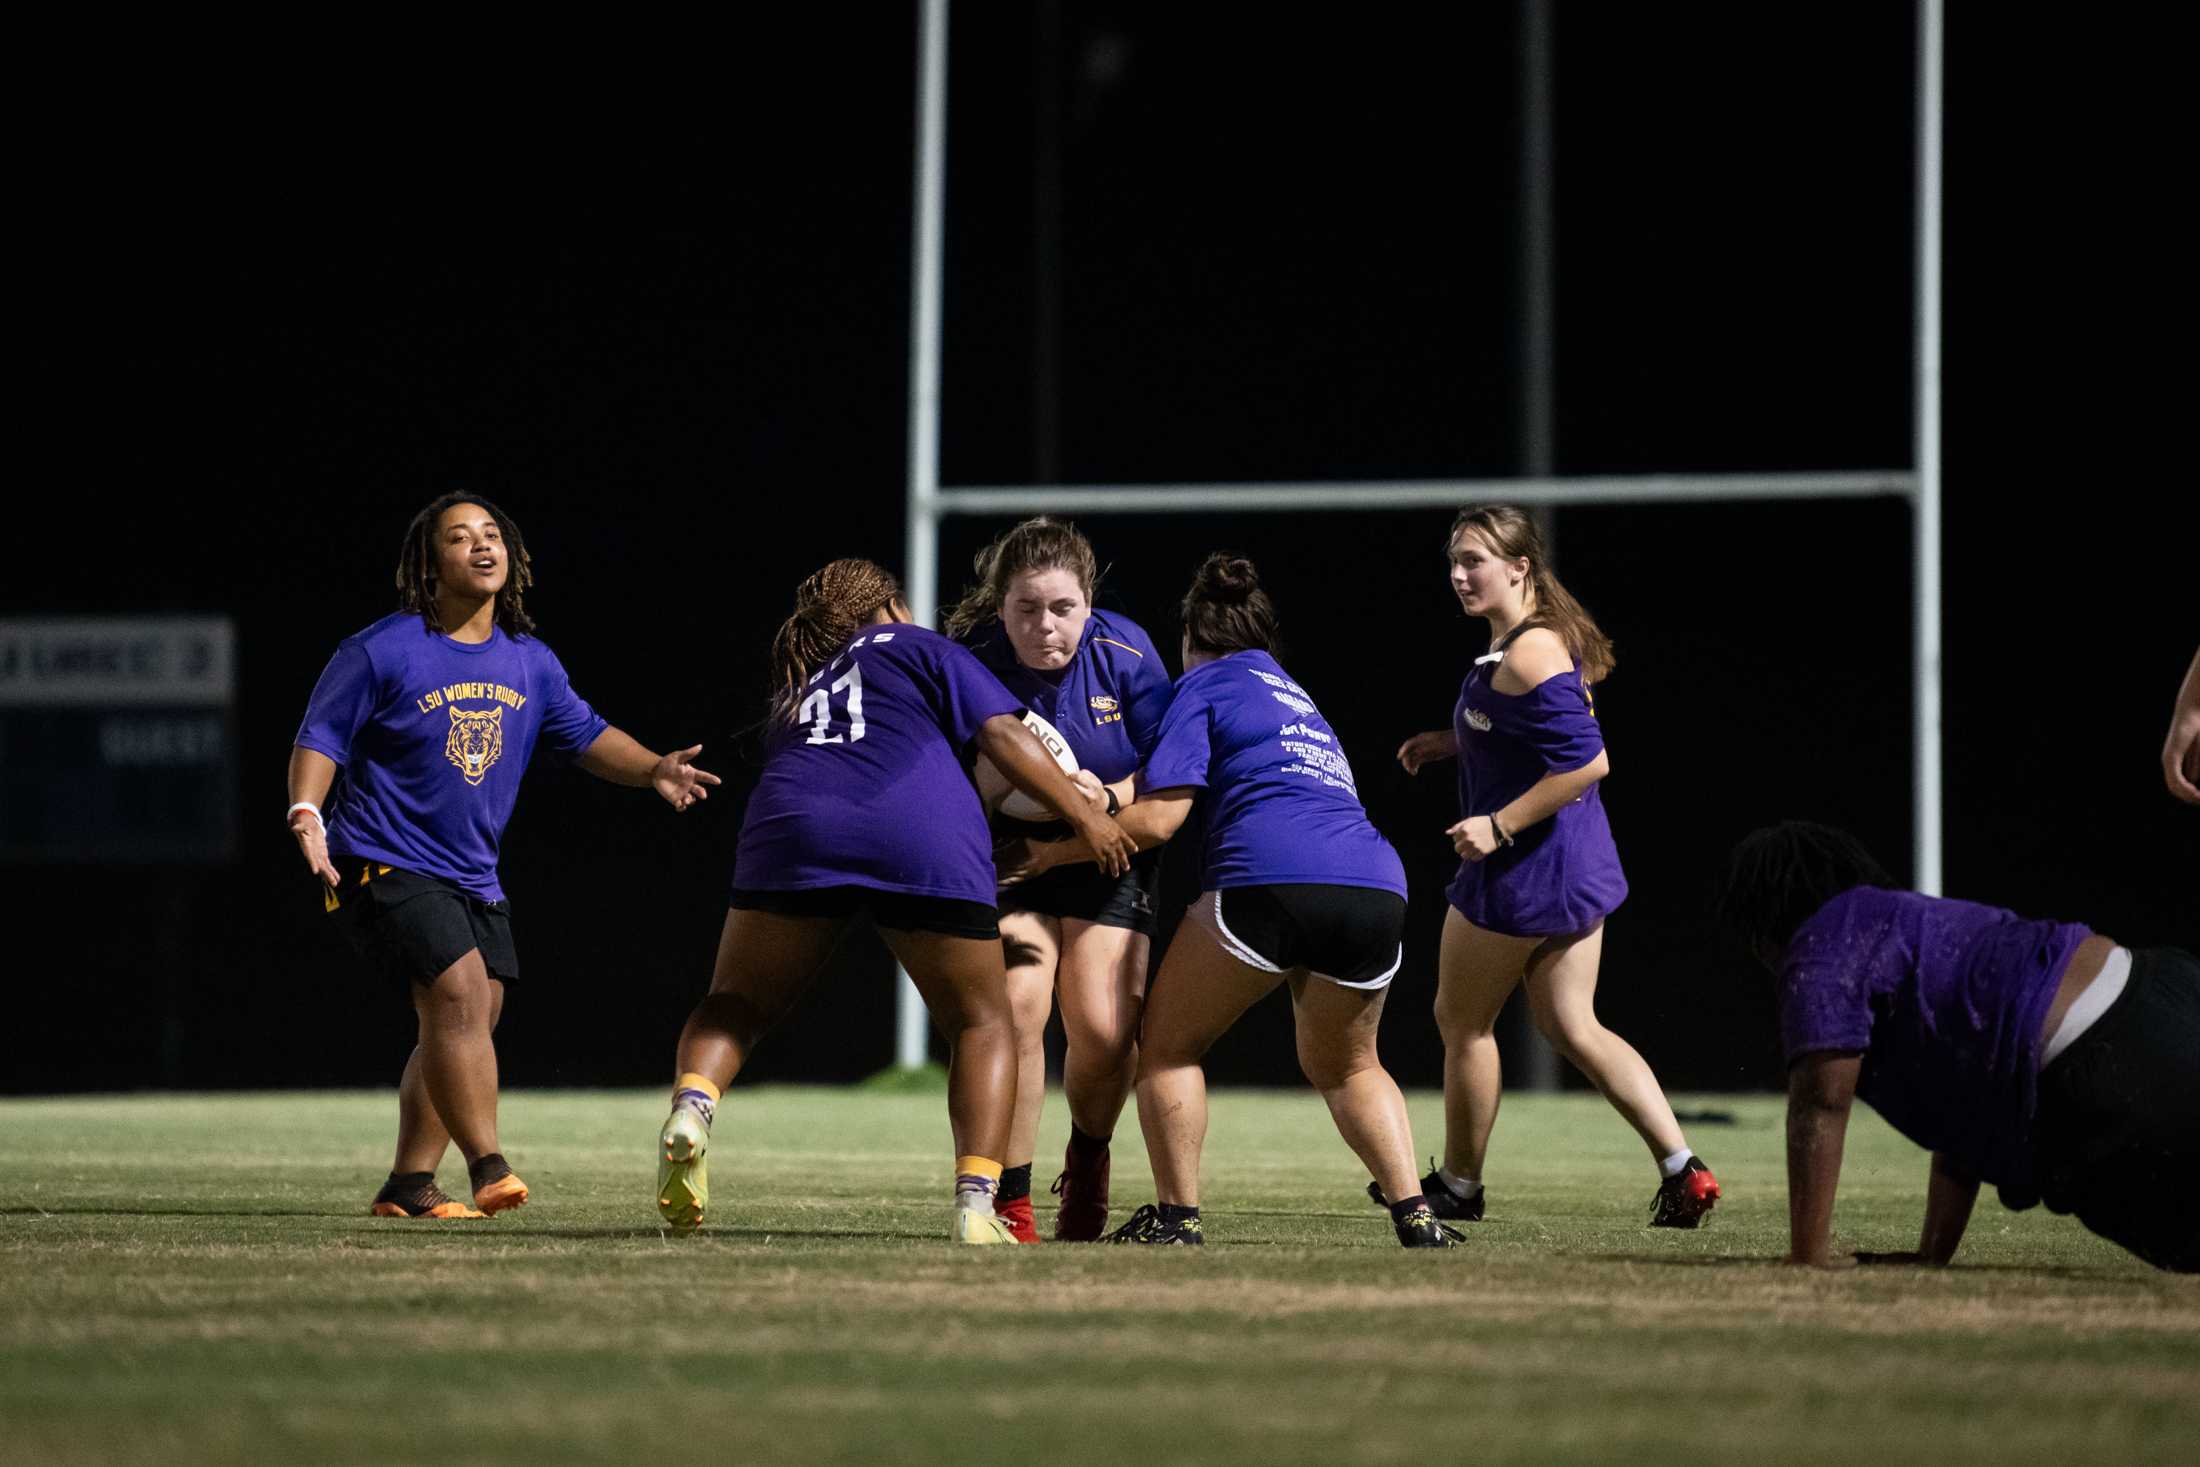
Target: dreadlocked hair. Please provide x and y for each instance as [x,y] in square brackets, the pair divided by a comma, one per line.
[1778,877]
[1042,543]
[416,588]
[1510,531]
[828,607]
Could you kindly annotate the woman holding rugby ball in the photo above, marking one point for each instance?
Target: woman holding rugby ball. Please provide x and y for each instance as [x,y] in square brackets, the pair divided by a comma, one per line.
[1296,887]
[1538,872]
[866,805]
[1080,932]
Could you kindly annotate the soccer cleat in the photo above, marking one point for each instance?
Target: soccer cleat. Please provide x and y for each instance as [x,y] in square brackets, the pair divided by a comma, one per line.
[507,1191]
[1420,1229]
[1442,1201]
[1684,1198]
[683,1181]
[430,1201]
[1016,1217]
[981,1228]
[1083,1188]
[1147,1227]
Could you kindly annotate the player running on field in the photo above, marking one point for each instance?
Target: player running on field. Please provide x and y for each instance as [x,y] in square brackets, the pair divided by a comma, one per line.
[430,716]
[866,805]
[1538,872]
[2039,1056]
[1295,887]
[1096,677]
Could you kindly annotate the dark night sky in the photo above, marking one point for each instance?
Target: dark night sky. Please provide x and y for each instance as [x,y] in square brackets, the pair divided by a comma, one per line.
[1285,254]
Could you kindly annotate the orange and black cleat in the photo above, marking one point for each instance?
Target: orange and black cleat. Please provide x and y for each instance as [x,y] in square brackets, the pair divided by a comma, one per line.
[507,1191]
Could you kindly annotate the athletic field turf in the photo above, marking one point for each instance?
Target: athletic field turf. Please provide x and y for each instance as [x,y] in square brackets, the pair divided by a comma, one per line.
[191,1279]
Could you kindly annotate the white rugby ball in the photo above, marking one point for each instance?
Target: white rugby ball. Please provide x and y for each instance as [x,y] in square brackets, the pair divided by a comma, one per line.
[999,796]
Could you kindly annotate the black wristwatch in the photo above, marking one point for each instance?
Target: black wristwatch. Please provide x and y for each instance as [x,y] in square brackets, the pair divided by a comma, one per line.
[1115,806]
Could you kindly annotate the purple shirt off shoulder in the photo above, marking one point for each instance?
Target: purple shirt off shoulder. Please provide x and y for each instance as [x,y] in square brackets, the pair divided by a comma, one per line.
[1560,875]
[433,736]
[1279,802]
[870,786]
[1945,1000]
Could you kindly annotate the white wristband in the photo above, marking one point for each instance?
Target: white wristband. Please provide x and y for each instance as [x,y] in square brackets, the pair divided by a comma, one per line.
[305,805]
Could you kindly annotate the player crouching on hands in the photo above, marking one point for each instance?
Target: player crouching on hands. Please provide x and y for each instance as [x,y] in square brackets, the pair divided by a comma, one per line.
[2038,1056]
[431,714]
[1296,887]
[866,805]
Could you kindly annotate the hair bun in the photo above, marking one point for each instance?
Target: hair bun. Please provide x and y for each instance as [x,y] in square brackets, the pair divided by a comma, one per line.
[1225,577]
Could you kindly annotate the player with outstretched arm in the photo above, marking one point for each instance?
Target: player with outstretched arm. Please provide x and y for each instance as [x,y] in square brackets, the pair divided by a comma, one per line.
[866,804]
[430,717]
[1538,872]
[1096,677]
[2042,1057]
[1296,887]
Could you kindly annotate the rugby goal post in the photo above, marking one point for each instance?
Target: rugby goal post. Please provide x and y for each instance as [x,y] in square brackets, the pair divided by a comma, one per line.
[929,504]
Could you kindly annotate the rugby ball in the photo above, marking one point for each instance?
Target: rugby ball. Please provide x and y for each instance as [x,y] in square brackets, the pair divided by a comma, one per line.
[1001,797]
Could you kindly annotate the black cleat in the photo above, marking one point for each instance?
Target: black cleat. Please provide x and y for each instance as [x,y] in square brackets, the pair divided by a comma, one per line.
[1685,1198]
[1420,1229]
[1146,1226]
[1442,1201]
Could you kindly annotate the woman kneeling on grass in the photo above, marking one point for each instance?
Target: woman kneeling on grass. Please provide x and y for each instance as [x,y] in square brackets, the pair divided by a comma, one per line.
[1296,887]
[866,805]
[2039,1056]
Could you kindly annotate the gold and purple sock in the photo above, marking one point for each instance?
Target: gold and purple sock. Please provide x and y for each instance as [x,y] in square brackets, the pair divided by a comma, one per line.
[697,1094]
[977,1179]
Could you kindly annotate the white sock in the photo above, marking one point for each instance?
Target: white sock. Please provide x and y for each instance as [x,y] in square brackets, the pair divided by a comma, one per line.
[1673,1165]
[1464,1188]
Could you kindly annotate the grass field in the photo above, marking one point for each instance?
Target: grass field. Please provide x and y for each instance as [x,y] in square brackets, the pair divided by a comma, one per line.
[190,1279]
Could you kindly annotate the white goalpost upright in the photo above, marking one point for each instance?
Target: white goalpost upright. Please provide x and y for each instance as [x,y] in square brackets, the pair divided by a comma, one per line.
[929,504]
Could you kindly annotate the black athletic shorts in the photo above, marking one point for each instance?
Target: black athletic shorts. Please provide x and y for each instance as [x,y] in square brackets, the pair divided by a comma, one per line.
[409,927]
[2116,1136]
[1351,935]
[1087,892]
[896,910]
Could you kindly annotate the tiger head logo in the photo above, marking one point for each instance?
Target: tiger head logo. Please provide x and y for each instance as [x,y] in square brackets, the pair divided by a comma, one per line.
[475,742]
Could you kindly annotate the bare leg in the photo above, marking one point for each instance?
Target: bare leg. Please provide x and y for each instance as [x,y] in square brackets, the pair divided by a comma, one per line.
[1475,972]
[765,962]
[1103,988]
[965,986]
[1032,947]
[1336,1034]
[421,1136]
[458,1058]
[1562,988]
[1199,994]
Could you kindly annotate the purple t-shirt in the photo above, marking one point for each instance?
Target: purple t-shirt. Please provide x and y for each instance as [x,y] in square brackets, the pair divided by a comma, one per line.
[1107,700]
[1560,875]
[433,736]
[1280,805]
[1945,1000]
[870,786]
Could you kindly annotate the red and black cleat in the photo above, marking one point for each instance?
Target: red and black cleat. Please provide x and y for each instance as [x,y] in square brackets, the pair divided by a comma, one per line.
[1685,1198]
[1016,1217]
[1083,1188]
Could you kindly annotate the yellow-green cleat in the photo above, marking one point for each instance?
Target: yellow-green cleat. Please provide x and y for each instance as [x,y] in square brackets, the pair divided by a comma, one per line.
[683,1181]
[972,1226]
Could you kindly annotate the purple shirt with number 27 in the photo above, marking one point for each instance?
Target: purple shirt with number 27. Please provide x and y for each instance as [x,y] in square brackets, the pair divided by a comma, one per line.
[1945,1000]
[870,786]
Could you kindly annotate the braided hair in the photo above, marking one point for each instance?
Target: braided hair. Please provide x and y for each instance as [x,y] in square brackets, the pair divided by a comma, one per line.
[1778,877]
[416,558]
[828,607]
